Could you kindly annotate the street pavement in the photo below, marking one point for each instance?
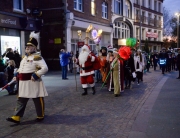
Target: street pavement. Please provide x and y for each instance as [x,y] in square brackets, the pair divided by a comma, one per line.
[148,110]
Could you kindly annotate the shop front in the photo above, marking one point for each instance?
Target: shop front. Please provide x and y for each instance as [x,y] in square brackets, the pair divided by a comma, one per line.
[14,32]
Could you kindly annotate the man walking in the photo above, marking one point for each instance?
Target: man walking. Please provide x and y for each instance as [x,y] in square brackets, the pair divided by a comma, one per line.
[32,67]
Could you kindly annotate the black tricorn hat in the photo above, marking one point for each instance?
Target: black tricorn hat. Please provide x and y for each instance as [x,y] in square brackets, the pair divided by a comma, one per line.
[32,42]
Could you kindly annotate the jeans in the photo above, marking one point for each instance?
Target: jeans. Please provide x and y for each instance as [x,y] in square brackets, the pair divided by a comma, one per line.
[98,75]
[64,72]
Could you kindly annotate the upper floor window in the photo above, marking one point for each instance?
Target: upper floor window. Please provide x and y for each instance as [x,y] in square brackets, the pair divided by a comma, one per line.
[143,3]
[149,3]
[137,2]
[78,5]
[159,7]
[128,9]
[18,5]
[155,5]
[118,6]
[104,10]
[93,7]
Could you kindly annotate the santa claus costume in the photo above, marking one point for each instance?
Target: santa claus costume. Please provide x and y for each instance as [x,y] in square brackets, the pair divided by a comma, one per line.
[86,59]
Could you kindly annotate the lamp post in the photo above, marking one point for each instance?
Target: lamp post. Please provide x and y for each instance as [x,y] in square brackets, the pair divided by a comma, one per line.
[178,15]
[140,26]
[87,37]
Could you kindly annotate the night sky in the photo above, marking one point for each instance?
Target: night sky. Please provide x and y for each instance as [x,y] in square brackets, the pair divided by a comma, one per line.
[172,5]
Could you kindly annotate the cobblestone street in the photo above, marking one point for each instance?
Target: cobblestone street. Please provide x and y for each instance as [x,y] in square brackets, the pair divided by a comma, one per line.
[70,115]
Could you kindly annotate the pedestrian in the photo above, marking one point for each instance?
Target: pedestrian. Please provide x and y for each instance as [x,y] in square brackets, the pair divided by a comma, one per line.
[163,60]
[9,70]
[178,64]
[17,58]
[64,61]
[139,65]
[32,67]
[85,61]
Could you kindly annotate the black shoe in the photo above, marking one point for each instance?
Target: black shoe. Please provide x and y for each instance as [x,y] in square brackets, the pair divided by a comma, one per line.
[39,119]
[66,78]
[116,95]
[12,120]
[85,92]
[12,93]
[94,91]
[178,78]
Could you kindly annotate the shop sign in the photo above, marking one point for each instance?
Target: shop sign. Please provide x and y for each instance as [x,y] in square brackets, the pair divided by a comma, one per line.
[80,44]
[57,41]
[151,35]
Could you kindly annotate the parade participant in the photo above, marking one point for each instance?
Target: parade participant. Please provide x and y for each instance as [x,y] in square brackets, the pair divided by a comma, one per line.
[32,67]
[115,78]
[139,64]
[103,63]
[85,61]
[128,70]
[162,60]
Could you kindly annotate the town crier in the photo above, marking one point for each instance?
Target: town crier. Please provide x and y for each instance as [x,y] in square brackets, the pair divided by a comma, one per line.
[32,67]
[86,62]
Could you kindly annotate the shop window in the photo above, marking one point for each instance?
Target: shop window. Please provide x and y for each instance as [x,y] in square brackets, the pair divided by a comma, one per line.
[18,5]
[104,10]
[93,7]
[118,7]
[78,5]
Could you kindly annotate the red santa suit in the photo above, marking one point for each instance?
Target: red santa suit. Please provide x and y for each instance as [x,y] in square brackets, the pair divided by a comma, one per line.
[86,59]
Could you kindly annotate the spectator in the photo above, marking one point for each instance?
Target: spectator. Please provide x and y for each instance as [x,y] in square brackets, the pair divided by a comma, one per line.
[17,58]
[64,57]
[2,65]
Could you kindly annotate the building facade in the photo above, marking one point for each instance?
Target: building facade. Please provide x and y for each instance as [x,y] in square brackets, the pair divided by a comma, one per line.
[15,25]
[131,16]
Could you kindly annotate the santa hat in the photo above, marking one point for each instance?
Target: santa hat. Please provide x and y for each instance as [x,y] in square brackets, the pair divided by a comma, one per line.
[86,47]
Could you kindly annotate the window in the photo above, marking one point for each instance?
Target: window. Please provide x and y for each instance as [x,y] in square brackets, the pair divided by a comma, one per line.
[121,30]
[93,46]
[18,5]
[143,3]
[128,9]
[149,3]
[118,7]
[137,2]
[137,32]
[155,5]
[93,7]
[74,46]
[159,7]
[104,10]
[78,5]
[155,39]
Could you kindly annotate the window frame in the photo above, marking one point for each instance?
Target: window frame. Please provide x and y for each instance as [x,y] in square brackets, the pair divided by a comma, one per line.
[21,5]
[79,5]
[120,6]
[104,10]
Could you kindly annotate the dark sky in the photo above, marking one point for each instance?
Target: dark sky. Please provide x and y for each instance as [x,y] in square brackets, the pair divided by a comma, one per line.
[172,5]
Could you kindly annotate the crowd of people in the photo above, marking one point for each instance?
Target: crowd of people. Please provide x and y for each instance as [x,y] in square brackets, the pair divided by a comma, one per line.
[9,62]
[114,73]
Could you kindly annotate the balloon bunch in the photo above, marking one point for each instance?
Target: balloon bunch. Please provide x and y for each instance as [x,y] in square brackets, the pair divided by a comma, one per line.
[124,52]
[131,42]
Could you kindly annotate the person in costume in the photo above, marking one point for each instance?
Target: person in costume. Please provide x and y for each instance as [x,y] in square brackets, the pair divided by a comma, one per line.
[85,61]
[128,70]
[103,63]
[115,77]
[32,67]
[139,65]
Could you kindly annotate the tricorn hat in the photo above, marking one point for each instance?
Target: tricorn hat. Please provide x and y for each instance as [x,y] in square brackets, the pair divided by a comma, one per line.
[32,42]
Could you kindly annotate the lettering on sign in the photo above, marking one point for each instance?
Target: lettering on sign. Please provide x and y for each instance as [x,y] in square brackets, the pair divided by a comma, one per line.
[151,35]
[8,21]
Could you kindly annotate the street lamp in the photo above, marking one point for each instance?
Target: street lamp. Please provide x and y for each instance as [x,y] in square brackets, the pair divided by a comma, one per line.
[96,34]
[178,16]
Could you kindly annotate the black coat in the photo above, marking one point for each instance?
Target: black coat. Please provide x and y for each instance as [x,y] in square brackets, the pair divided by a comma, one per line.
[129,67]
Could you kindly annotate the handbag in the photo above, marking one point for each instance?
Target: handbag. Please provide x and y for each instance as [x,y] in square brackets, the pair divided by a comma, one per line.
[134,75]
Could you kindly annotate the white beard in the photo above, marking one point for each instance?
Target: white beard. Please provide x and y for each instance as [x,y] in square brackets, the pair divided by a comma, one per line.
[83,57]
